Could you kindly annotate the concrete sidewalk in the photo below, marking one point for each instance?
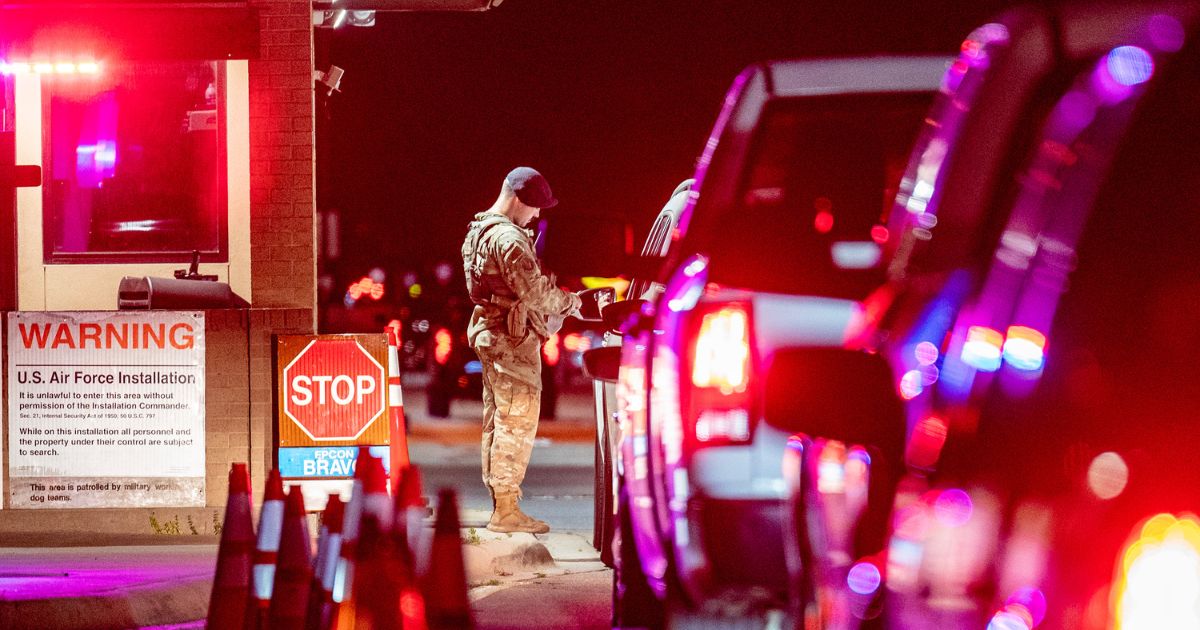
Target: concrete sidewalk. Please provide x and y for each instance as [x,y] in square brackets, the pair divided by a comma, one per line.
[97,588]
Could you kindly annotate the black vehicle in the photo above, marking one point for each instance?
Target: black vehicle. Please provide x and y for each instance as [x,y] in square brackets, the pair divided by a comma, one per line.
[1047,315]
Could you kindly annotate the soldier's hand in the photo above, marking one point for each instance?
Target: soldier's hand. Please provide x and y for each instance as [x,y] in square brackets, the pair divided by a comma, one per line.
[603,299]
[594,300]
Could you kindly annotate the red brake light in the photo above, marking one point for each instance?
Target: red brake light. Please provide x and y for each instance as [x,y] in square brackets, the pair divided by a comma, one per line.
[441,346]
[719,399]
[550,350]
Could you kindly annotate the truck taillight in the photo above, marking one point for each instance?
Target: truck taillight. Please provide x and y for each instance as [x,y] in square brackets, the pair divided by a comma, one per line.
[442,341]
[722,352]
[720,374]
[1158,576]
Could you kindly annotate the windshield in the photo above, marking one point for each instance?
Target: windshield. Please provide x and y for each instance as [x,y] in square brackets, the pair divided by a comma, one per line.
[813,194]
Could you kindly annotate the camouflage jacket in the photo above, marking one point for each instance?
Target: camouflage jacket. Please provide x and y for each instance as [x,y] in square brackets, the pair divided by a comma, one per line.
[507,285]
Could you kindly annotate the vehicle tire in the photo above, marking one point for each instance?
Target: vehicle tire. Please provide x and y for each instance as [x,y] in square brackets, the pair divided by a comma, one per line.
[438,400]
[603,519]
[634,604]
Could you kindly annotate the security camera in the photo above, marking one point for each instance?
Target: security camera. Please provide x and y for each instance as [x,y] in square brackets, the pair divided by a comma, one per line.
[331,79]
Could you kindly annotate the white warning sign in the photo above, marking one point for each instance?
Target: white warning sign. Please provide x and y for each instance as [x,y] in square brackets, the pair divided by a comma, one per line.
[106,409]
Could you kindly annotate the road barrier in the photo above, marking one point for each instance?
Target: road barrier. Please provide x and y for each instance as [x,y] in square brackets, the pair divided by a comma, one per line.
[270,526]
[231,582]
[294,571]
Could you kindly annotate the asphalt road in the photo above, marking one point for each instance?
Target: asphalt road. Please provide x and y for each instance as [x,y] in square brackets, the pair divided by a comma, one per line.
[558,486]
[581,601]
[558,489]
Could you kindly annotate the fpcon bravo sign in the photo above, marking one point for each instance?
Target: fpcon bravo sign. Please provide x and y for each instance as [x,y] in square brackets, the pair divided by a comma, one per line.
[332,390]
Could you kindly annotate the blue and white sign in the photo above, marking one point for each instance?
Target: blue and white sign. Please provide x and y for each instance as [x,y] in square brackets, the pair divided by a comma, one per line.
[325,461]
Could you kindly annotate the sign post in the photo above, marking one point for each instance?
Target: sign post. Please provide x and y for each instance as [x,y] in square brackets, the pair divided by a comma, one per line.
[332,401]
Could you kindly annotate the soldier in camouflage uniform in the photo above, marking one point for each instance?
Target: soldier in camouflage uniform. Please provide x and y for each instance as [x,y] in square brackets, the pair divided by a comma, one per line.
[517,308]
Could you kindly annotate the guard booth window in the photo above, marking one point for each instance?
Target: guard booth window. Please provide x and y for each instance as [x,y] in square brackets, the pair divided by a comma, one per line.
[134,161]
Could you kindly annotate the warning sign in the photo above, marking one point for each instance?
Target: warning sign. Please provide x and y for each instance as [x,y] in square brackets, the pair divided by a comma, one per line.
[106,409]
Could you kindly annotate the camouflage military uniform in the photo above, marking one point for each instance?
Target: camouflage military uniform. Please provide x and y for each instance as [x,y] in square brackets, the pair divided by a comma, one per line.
[516,308]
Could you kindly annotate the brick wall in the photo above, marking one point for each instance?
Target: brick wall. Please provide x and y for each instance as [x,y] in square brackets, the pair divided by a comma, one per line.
[240,394]
[282,217]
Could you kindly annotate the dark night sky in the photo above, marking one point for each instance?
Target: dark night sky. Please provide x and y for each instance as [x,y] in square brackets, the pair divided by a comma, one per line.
[611,99]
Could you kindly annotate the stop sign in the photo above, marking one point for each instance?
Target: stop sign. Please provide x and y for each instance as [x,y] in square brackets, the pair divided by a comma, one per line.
[334,389]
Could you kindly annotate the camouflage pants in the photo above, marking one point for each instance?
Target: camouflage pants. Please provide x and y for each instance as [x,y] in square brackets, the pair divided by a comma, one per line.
[510,421]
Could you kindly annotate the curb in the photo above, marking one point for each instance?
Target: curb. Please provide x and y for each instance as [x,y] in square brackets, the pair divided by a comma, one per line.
[175,601]
[496,561]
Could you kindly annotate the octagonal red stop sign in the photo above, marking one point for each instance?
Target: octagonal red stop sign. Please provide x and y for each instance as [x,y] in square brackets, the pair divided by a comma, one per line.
[334,389]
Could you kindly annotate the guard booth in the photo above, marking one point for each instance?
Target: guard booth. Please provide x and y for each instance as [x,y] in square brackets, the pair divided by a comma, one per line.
[162,129]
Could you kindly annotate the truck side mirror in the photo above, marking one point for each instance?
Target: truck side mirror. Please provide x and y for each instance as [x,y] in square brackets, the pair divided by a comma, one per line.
[621,315]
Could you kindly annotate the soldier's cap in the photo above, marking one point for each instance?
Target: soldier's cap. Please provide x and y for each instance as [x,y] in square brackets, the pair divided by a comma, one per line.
[531,188]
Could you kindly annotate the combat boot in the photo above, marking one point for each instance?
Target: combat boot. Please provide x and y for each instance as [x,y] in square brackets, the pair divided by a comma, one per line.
[509,518]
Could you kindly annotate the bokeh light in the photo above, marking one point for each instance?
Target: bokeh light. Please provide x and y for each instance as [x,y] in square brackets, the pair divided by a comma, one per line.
[1129,65]
[1107,475]
[910,385]
[1028,601]
[864,578]
[1006,620]
[953,508]
[1158,582]
[1166,33]
[926,353]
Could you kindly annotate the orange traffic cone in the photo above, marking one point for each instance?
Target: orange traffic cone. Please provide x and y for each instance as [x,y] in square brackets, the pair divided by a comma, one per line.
[293,573]
[445,584]
[399,429]
[409,520]
[270,524]
[329,547]
[231,582]
[373,597]
[407,538]
[340,612]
